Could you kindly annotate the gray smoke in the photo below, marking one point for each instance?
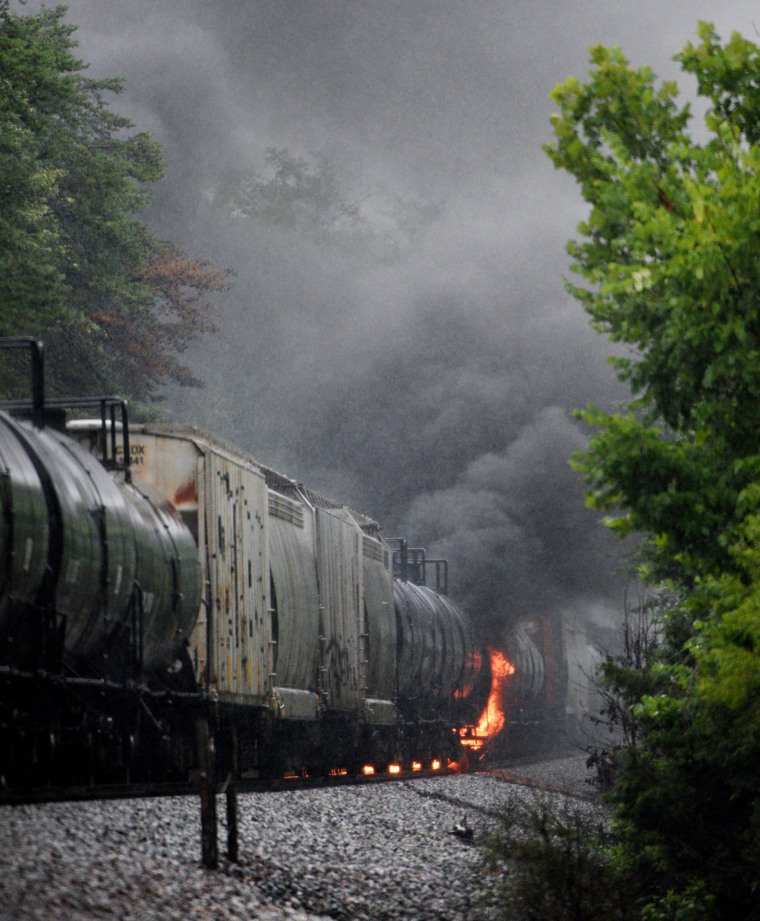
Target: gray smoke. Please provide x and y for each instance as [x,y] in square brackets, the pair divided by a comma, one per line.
[523,542]
[425,373]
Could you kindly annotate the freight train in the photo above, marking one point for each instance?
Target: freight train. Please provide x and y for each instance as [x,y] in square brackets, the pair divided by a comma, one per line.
[158,585]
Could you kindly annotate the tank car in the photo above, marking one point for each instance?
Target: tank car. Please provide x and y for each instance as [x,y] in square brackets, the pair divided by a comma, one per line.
[92,555]
[99,590]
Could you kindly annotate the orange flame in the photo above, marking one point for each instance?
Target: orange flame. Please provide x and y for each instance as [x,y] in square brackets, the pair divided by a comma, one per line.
[492,718]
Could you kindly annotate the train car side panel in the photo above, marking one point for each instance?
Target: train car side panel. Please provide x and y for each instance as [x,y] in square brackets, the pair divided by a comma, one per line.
[340,589]
[97,560]
[238,566]
[380,629]
[295,603]
[222,497]
[24,541]
[168,575]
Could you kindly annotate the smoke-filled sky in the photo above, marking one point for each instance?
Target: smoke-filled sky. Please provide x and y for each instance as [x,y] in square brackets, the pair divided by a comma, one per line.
[424,369]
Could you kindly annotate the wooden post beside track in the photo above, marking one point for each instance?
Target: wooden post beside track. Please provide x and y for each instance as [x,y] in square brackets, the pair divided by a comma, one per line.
[207,787]
[231,793]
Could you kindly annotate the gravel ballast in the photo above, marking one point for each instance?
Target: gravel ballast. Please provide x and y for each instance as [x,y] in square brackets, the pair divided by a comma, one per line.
[380,851]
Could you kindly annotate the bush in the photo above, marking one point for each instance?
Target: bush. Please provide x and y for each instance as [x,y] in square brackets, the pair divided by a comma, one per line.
[555,861]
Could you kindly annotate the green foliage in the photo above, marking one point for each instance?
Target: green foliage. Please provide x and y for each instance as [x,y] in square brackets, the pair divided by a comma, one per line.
[75,260]
[686,803]
[31,253]
[668,261]
[555,861]
[669,253]
[622,679]
[727,643]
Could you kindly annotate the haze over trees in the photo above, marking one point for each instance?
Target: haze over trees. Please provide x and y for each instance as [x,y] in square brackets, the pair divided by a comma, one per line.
[78,268]
[305,195]
[669,269]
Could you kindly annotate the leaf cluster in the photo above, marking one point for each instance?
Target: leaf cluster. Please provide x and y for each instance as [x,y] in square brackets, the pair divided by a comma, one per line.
[77,265]
[555,861]
[668,253]
[667,259]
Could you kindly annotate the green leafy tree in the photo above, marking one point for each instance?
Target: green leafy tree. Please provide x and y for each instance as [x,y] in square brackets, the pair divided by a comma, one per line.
[670,257]
[304,195]
[669,269]
[76,263]
[298,193]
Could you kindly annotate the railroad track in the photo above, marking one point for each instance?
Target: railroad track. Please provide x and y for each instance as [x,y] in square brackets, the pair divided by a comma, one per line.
[192,787]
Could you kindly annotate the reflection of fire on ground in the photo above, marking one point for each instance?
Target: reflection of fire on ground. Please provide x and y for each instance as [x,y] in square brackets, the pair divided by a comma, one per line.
[492,718]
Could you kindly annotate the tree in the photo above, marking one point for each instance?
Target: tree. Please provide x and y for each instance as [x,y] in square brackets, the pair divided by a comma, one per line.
[668,255]
[304,196]
[77,266]
[30,249]
[299,192]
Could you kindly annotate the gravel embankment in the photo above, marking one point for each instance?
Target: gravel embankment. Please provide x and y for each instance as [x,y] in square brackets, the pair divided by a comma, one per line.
[376,852]
[567,775]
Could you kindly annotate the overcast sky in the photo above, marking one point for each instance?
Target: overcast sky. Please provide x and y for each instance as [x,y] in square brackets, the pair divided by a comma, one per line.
[429,385]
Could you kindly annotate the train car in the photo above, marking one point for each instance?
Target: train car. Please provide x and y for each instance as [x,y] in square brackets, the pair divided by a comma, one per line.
[436,664]
[151,576]
[302,621]
[99,591]
[297,622]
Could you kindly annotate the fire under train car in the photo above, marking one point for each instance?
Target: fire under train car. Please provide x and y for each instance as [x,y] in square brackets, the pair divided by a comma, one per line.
[541,690]
[436,664]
